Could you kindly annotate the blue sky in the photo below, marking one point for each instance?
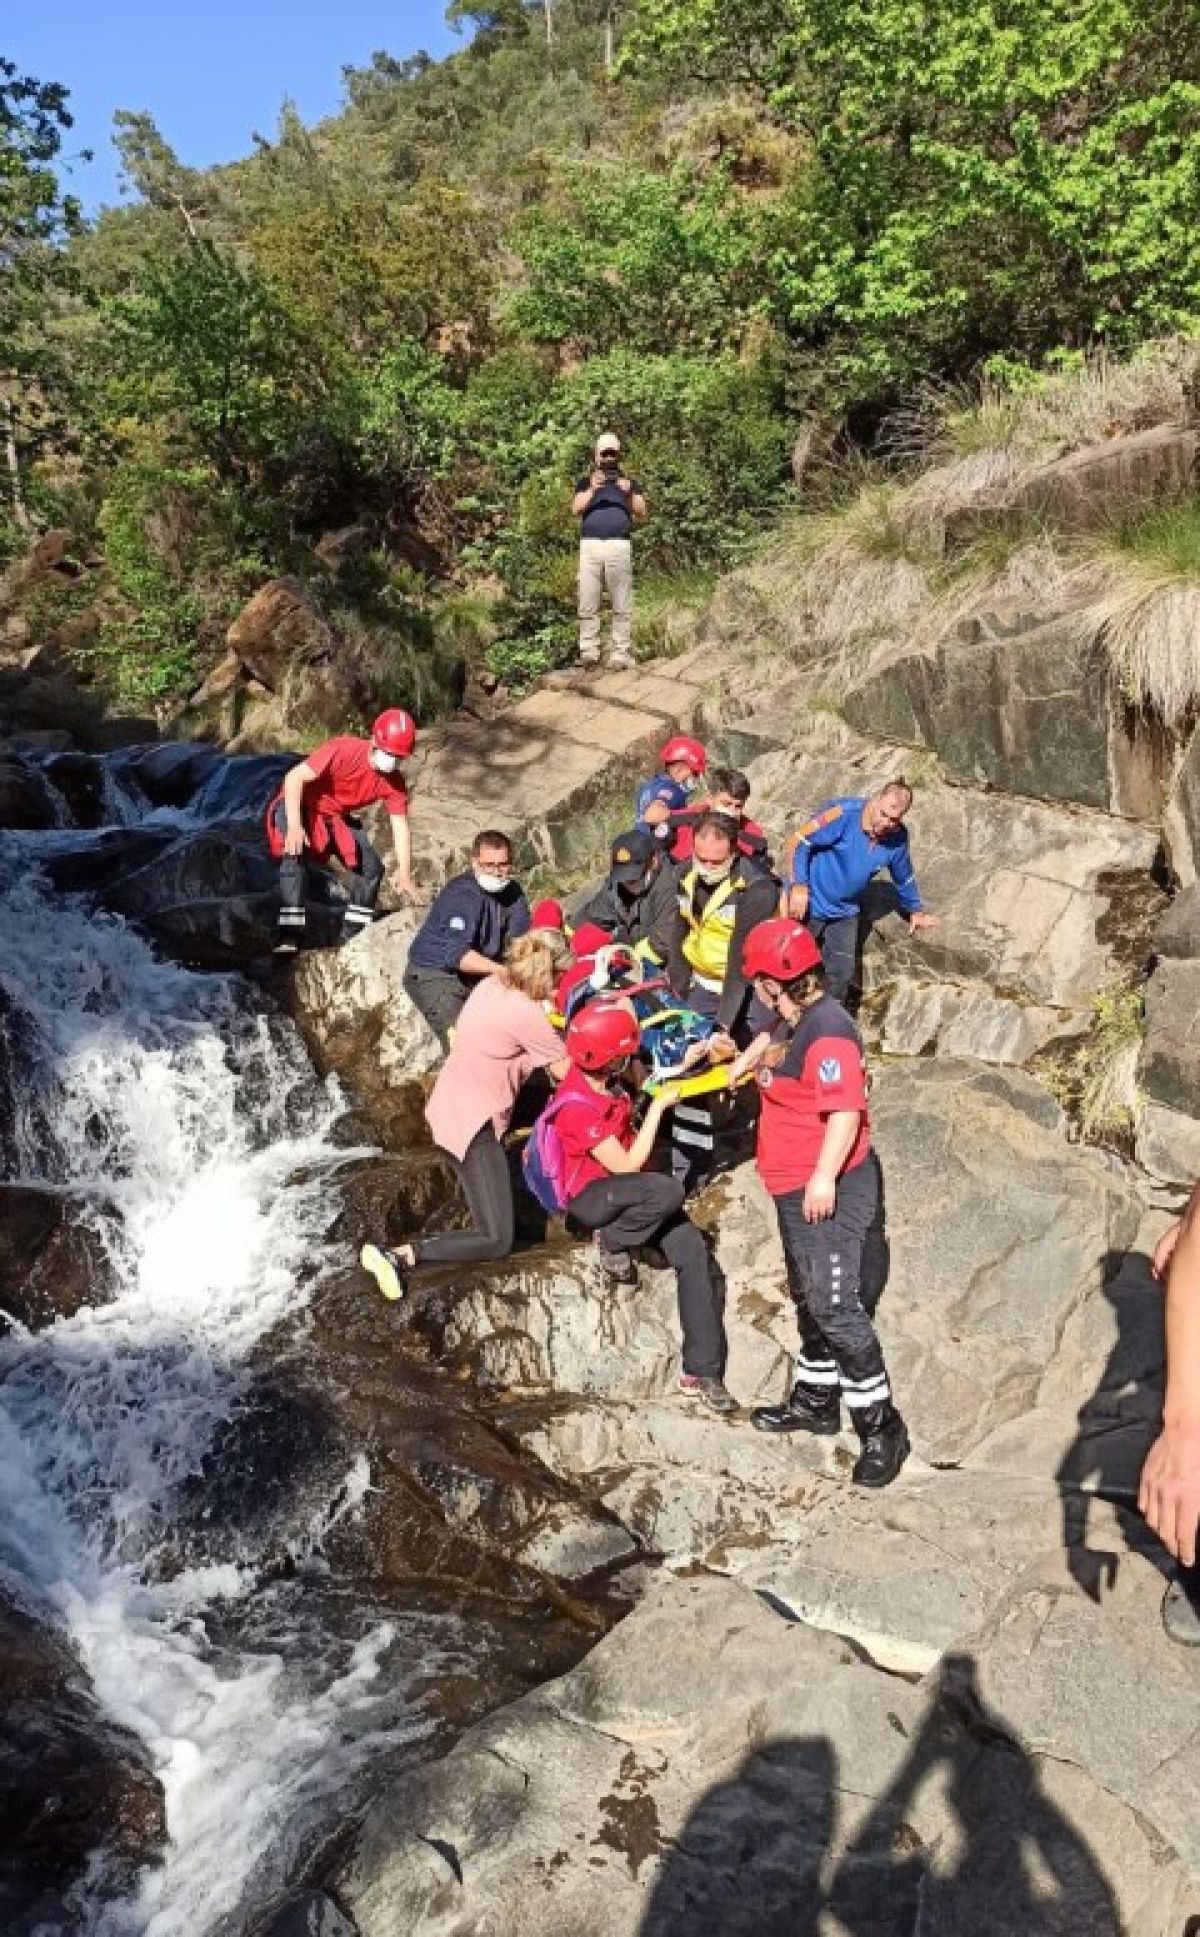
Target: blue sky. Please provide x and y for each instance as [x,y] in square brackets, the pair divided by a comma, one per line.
[211,72]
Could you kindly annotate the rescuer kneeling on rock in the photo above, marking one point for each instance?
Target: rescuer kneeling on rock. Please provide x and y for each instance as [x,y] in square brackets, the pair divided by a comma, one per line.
[604,1185]
[816,1160]
[312,818]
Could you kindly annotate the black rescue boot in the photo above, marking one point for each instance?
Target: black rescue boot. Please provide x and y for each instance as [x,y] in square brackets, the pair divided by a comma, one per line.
[801,1412]
[885,1446]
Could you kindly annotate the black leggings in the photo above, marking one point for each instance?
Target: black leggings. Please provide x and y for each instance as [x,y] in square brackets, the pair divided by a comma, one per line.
[487,1187]
[643,1207]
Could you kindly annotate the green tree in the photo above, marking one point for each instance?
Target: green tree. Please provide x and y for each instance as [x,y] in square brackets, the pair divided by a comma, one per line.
[651,262]
[35,219]
[204,344]
[1012,177]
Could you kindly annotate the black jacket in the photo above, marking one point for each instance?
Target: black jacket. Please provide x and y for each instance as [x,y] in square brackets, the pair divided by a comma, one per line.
[650,916]
[464,916]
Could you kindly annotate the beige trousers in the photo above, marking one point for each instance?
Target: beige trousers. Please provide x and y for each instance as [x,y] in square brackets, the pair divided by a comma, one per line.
[605,564]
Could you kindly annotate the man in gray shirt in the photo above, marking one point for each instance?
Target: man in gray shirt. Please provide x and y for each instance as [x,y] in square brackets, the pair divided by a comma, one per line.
[607,504]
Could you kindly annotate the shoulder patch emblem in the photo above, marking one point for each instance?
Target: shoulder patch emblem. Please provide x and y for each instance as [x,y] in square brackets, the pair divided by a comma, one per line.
[457,922]
[830,1070]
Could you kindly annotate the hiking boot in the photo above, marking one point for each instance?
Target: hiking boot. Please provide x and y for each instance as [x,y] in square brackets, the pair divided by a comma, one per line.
[621,660]
[1181,1614]
[589,656]
[386,1269]
[884,1451]
[801,1412]
[616,1267]
[713,1393]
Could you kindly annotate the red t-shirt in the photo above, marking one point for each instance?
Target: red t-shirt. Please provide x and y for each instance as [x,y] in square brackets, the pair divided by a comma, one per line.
[821,1071]
[581,1126]
[346,780]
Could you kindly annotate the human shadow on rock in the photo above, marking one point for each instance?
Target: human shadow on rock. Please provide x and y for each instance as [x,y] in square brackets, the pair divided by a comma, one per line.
[1117,1422]
[963,1837]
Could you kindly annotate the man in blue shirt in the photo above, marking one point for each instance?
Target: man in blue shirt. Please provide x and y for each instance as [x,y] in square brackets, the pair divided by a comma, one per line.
[607,504]
[465,933]
[835,856]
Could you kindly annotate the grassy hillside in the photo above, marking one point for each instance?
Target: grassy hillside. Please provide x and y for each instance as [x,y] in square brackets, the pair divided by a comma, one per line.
[713,227]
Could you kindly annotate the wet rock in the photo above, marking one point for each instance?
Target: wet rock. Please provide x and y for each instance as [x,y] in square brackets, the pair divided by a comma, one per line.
[25,799]
[310,1914]
[358,1021]
[51,1261]
[79,778]
[804,1788]
[77,1795]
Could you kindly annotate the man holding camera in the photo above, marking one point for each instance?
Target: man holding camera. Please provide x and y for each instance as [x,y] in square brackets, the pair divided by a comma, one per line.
[607,504]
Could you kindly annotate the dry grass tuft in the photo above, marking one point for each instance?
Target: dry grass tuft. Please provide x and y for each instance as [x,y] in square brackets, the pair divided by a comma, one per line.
[1141,582]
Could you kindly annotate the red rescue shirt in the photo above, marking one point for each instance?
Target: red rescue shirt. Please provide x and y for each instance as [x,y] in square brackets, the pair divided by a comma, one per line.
[820,1072]
[345,782]
[597,1116]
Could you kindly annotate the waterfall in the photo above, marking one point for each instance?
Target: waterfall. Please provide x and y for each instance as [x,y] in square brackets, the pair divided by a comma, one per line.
[182,1115]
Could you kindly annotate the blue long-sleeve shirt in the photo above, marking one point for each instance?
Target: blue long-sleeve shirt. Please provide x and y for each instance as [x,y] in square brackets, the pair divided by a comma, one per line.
[661,788]
[835,858]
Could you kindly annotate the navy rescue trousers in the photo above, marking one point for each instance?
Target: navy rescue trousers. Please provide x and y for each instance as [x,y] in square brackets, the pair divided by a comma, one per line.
[363,881]
[839,1350]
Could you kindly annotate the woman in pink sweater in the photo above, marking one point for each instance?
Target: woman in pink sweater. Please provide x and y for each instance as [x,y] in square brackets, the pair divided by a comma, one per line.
[502,1037]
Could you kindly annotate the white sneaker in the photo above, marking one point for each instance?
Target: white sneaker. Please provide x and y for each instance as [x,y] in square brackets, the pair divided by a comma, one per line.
[622,661]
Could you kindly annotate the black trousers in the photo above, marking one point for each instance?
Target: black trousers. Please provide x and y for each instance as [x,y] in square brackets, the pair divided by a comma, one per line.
[647,1208]
[439,997]
[698,1124]
[838,943]
[487,1186]
[839,1349]
[363,881]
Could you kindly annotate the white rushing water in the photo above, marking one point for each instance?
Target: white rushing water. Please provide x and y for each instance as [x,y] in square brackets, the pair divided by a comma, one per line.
[187,1116]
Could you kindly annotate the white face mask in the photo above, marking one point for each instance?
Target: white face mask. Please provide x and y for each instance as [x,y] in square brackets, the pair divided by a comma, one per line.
[492,884]
[383,762]
[714,872]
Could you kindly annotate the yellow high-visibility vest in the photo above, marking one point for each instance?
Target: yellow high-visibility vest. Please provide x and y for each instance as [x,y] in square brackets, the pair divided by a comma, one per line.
[706,944]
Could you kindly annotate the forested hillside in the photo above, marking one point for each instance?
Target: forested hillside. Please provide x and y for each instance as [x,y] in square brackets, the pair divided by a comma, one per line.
[741,232]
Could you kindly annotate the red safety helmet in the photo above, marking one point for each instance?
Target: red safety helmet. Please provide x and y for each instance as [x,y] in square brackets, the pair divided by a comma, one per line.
[682,748]
[588,937]
[602,1032]
[395,732]
[548,914]
[782,949]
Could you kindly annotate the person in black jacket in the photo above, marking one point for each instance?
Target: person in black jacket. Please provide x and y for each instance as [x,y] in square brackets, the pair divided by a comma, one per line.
[638,903]
[465,933]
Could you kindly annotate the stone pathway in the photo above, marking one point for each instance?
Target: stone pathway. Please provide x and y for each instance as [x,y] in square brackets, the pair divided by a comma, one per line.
[541,770]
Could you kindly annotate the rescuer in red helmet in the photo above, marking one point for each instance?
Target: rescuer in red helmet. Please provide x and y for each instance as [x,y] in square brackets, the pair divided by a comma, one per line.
[815,1158]
[681,765]
[311,818]
[607,1189]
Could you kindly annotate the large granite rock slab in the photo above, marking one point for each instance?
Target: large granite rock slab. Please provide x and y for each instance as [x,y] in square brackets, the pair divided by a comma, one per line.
[1017,705]
[711,1768]
[1169,1131]
[359,1023]
[1030,894]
